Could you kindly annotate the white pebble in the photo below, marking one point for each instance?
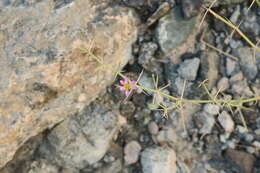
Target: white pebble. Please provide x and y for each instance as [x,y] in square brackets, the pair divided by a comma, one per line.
[226,121]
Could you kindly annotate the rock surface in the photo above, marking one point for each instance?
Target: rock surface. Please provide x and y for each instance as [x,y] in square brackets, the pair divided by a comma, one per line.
[224,2]
[189,68]
[226,121]
[153,128]
[210,68]
[43,167]
[68,147]
[247,62]
[211,109]
[231,67]
[173,31]
[205,122]
[223,84]
[158,159]
[82,139]
[43,68]
[132,150]
[244,160]
[191,8]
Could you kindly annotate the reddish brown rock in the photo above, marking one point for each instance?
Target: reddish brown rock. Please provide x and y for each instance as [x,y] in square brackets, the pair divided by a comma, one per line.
[244,160]
[44,76]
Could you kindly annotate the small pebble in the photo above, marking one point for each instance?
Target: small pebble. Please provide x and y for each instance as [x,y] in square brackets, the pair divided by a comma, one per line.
[249,137]
[144,138]
[256,144]
[241,129]
[223,84]
[212,109]
[97,165]
[235,44]
[226,121]
[257,132]
[167,135]
[250,150]
[158,159]
[258,123]
[231,144]
[108,159]
[206,122]
[230,66]
[224,137]
[237,77]
[189,68]
[153,128]
[235,15]
[132,151]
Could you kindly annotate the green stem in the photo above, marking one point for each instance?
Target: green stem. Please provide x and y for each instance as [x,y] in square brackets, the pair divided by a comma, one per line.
[176,99]
[199,101]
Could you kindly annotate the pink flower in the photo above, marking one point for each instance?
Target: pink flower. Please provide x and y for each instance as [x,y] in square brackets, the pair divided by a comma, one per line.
[127,86]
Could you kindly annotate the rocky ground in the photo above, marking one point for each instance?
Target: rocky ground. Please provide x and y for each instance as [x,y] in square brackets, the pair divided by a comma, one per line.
[114,135]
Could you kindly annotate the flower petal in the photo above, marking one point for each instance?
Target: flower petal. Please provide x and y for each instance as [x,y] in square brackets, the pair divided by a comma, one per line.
[127,93]
[133,85]
[126,80]
[132,82]
[122,88]
[122,82]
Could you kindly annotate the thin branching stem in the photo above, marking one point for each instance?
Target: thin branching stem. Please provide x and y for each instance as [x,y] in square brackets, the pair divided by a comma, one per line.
[229,103]
[235,28]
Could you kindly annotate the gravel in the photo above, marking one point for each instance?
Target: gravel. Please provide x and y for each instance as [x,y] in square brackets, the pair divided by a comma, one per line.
[223,84]
[189,68]
[231,66]
[158,159]
[205,122]
[131,151]
[112,136]
[226,121]
[153,128]
[211,109]
[172,31]
[247,63]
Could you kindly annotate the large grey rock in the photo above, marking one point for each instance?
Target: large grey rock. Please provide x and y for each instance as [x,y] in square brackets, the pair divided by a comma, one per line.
[158,159]
[44,73]
[174,33]
[82,139]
